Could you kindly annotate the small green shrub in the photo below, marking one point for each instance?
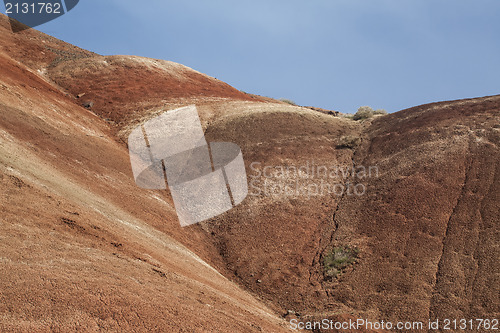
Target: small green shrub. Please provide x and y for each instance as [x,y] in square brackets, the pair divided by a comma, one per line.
[364,112]
[380,111]
[288,101]
[338,259]
[349,142]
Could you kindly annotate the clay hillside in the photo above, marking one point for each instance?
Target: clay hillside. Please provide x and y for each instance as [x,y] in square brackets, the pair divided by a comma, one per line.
[412,234]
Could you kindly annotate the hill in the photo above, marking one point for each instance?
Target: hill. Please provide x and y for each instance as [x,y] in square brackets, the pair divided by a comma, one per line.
[402,208]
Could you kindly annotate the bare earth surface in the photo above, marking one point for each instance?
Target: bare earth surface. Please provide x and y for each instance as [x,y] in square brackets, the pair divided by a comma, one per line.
[82,248]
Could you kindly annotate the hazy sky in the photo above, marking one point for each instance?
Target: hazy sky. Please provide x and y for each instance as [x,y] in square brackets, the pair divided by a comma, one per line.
[339,55]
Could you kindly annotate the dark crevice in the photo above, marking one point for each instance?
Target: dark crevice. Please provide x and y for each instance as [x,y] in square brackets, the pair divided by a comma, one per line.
[479,239]
[468,166]
[321,248]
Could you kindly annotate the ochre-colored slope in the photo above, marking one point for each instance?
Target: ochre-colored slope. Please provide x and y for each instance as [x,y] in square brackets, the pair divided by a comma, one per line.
[82,247]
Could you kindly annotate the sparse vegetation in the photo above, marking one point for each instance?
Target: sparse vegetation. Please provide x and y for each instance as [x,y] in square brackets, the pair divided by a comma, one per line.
[379,111]
[349,142]
[338,259]
[288,101]
[365,112]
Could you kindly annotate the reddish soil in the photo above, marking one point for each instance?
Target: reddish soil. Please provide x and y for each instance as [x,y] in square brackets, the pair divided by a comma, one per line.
[121,87]
[427,228]
[83,248]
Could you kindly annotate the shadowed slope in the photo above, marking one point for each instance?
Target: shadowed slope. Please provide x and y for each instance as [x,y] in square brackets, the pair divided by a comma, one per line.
[427,229]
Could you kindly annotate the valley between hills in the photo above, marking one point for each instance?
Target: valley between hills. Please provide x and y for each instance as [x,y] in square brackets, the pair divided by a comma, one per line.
[83,248]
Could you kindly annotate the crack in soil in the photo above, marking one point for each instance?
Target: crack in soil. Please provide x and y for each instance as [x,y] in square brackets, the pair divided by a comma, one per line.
[448,225]
[314,270]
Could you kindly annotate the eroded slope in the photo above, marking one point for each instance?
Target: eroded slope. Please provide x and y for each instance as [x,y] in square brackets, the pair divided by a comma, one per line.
[427,228]
[82,248]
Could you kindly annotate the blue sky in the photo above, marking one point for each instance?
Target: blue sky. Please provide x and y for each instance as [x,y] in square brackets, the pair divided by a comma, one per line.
[335,54]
